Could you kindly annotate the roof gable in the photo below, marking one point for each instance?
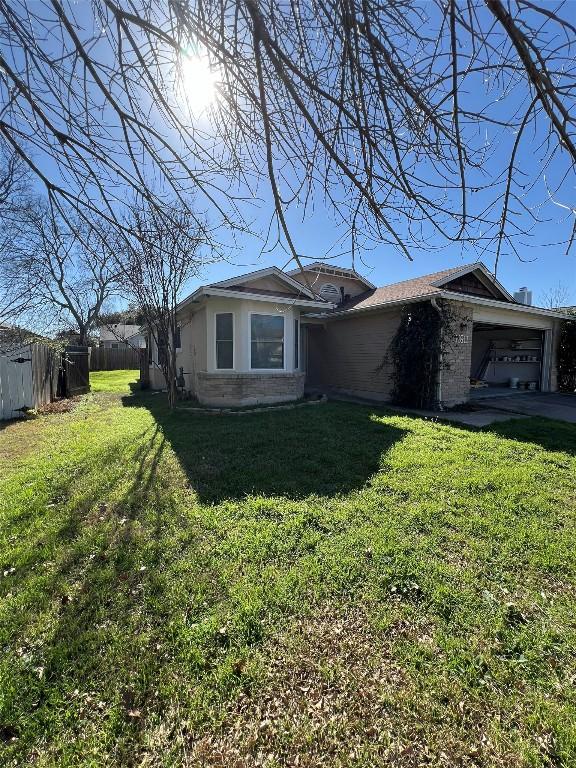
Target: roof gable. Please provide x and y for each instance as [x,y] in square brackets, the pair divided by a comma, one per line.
[320,268]
[474,280]
[270,281]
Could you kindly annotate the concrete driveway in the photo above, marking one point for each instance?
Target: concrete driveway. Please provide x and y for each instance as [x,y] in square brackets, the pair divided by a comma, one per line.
[550,405]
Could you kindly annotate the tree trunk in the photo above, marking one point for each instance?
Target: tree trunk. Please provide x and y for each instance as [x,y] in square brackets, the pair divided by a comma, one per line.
[171,379]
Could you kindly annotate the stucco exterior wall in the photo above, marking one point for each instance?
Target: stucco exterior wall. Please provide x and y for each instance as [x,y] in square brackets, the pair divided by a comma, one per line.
[270,284]
[349,355]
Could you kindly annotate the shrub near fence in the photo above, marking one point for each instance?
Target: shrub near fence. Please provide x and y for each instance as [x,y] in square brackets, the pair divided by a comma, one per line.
[104,359]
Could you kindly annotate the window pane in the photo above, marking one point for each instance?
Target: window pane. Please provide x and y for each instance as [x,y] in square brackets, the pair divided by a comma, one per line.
[177,344]
[267,341]
[225,340]
[267,328]
[224,327]
[267,354]
[224,354]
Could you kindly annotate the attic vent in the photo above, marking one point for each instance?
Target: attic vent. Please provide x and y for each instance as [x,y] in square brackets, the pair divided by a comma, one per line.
[329,292]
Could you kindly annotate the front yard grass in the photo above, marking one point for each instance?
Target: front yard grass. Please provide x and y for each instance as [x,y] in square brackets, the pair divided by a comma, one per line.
[331,586]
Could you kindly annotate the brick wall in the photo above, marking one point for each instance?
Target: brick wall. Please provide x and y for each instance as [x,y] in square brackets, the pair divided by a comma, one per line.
[454,378]
[237,389]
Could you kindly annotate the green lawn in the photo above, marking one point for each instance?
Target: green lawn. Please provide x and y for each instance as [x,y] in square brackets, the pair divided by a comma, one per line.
[113,381]
[328,586]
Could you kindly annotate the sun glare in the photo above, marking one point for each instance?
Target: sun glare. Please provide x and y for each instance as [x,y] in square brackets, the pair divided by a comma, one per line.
[198,82]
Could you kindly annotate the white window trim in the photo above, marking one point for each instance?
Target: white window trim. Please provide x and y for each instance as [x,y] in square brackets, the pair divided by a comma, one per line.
[225,312]
[296,346]
[266,370]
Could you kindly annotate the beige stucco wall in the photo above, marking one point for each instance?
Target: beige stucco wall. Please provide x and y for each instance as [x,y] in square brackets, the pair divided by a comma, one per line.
[270,284]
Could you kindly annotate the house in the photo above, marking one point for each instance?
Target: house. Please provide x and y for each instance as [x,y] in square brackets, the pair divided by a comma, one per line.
[267,335]
[122,336]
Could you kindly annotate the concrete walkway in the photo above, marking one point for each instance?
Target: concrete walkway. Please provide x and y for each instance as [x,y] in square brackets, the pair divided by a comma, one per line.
[552,405]
[490,410]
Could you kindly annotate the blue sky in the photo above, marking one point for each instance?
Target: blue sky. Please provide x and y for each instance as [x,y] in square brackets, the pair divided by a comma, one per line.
[545,269]
[542,265]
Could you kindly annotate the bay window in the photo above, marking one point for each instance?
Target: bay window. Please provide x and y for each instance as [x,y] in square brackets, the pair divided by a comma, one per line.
[266,342]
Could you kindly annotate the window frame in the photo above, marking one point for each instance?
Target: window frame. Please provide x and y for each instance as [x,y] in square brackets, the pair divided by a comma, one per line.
[226,312]
[177,335]
[296,349]
[267,314]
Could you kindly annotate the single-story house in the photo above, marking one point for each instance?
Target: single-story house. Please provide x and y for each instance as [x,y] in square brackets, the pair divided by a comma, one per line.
[122,336]
[268,335]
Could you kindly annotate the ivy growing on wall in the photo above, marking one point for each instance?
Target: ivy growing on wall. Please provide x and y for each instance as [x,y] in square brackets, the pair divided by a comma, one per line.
[416,353]
[567,356]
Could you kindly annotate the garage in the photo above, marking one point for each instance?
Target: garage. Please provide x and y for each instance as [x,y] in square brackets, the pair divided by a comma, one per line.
[506,357]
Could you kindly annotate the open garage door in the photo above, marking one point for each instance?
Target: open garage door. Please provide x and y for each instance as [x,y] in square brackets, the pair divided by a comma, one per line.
[505,358]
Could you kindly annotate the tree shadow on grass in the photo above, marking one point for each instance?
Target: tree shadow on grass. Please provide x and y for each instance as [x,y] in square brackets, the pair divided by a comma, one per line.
[105,589]
[324,450]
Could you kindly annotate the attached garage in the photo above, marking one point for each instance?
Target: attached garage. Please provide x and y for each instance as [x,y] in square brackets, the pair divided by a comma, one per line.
[512,348]
[507,356]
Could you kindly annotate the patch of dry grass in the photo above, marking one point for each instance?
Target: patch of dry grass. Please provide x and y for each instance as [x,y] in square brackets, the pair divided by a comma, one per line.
[332,692]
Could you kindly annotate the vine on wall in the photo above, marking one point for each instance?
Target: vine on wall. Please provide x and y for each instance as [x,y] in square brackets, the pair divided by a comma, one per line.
[567,356]
[416,353]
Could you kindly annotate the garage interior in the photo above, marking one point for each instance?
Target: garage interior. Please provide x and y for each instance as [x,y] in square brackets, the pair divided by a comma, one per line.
[505,359]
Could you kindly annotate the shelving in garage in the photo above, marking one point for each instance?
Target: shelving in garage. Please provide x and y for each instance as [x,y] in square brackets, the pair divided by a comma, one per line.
[502,354]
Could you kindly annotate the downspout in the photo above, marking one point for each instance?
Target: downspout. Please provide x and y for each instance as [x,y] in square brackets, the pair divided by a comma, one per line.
[434,303]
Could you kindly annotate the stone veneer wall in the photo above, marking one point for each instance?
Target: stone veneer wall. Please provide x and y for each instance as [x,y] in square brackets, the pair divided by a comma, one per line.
[237,389]
[457,358]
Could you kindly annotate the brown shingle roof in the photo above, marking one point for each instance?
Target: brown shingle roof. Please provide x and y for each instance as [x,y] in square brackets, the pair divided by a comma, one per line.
[405,290]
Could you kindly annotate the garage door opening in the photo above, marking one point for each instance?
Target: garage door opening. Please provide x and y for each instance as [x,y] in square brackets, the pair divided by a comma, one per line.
[505,360]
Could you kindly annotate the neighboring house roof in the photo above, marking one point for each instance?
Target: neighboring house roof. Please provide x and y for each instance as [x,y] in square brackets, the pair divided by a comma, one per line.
[118,331]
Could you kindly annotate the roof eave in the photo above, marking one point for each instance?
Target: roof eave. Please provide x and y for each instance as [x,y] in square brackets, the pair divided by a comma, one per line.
[514,306]
[380,305]
[207,291]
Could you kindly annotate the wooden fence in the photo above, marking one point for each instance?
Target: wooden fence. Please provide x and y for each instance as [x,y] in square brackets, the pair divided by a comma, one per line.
[104,359]
[28,378]
[76,371]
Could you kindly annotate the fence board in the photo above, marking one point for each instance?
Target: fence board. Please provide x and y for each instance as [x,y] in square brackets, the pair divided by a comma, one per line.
[76,370]
[104,359]
[45,363]
[16,394]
